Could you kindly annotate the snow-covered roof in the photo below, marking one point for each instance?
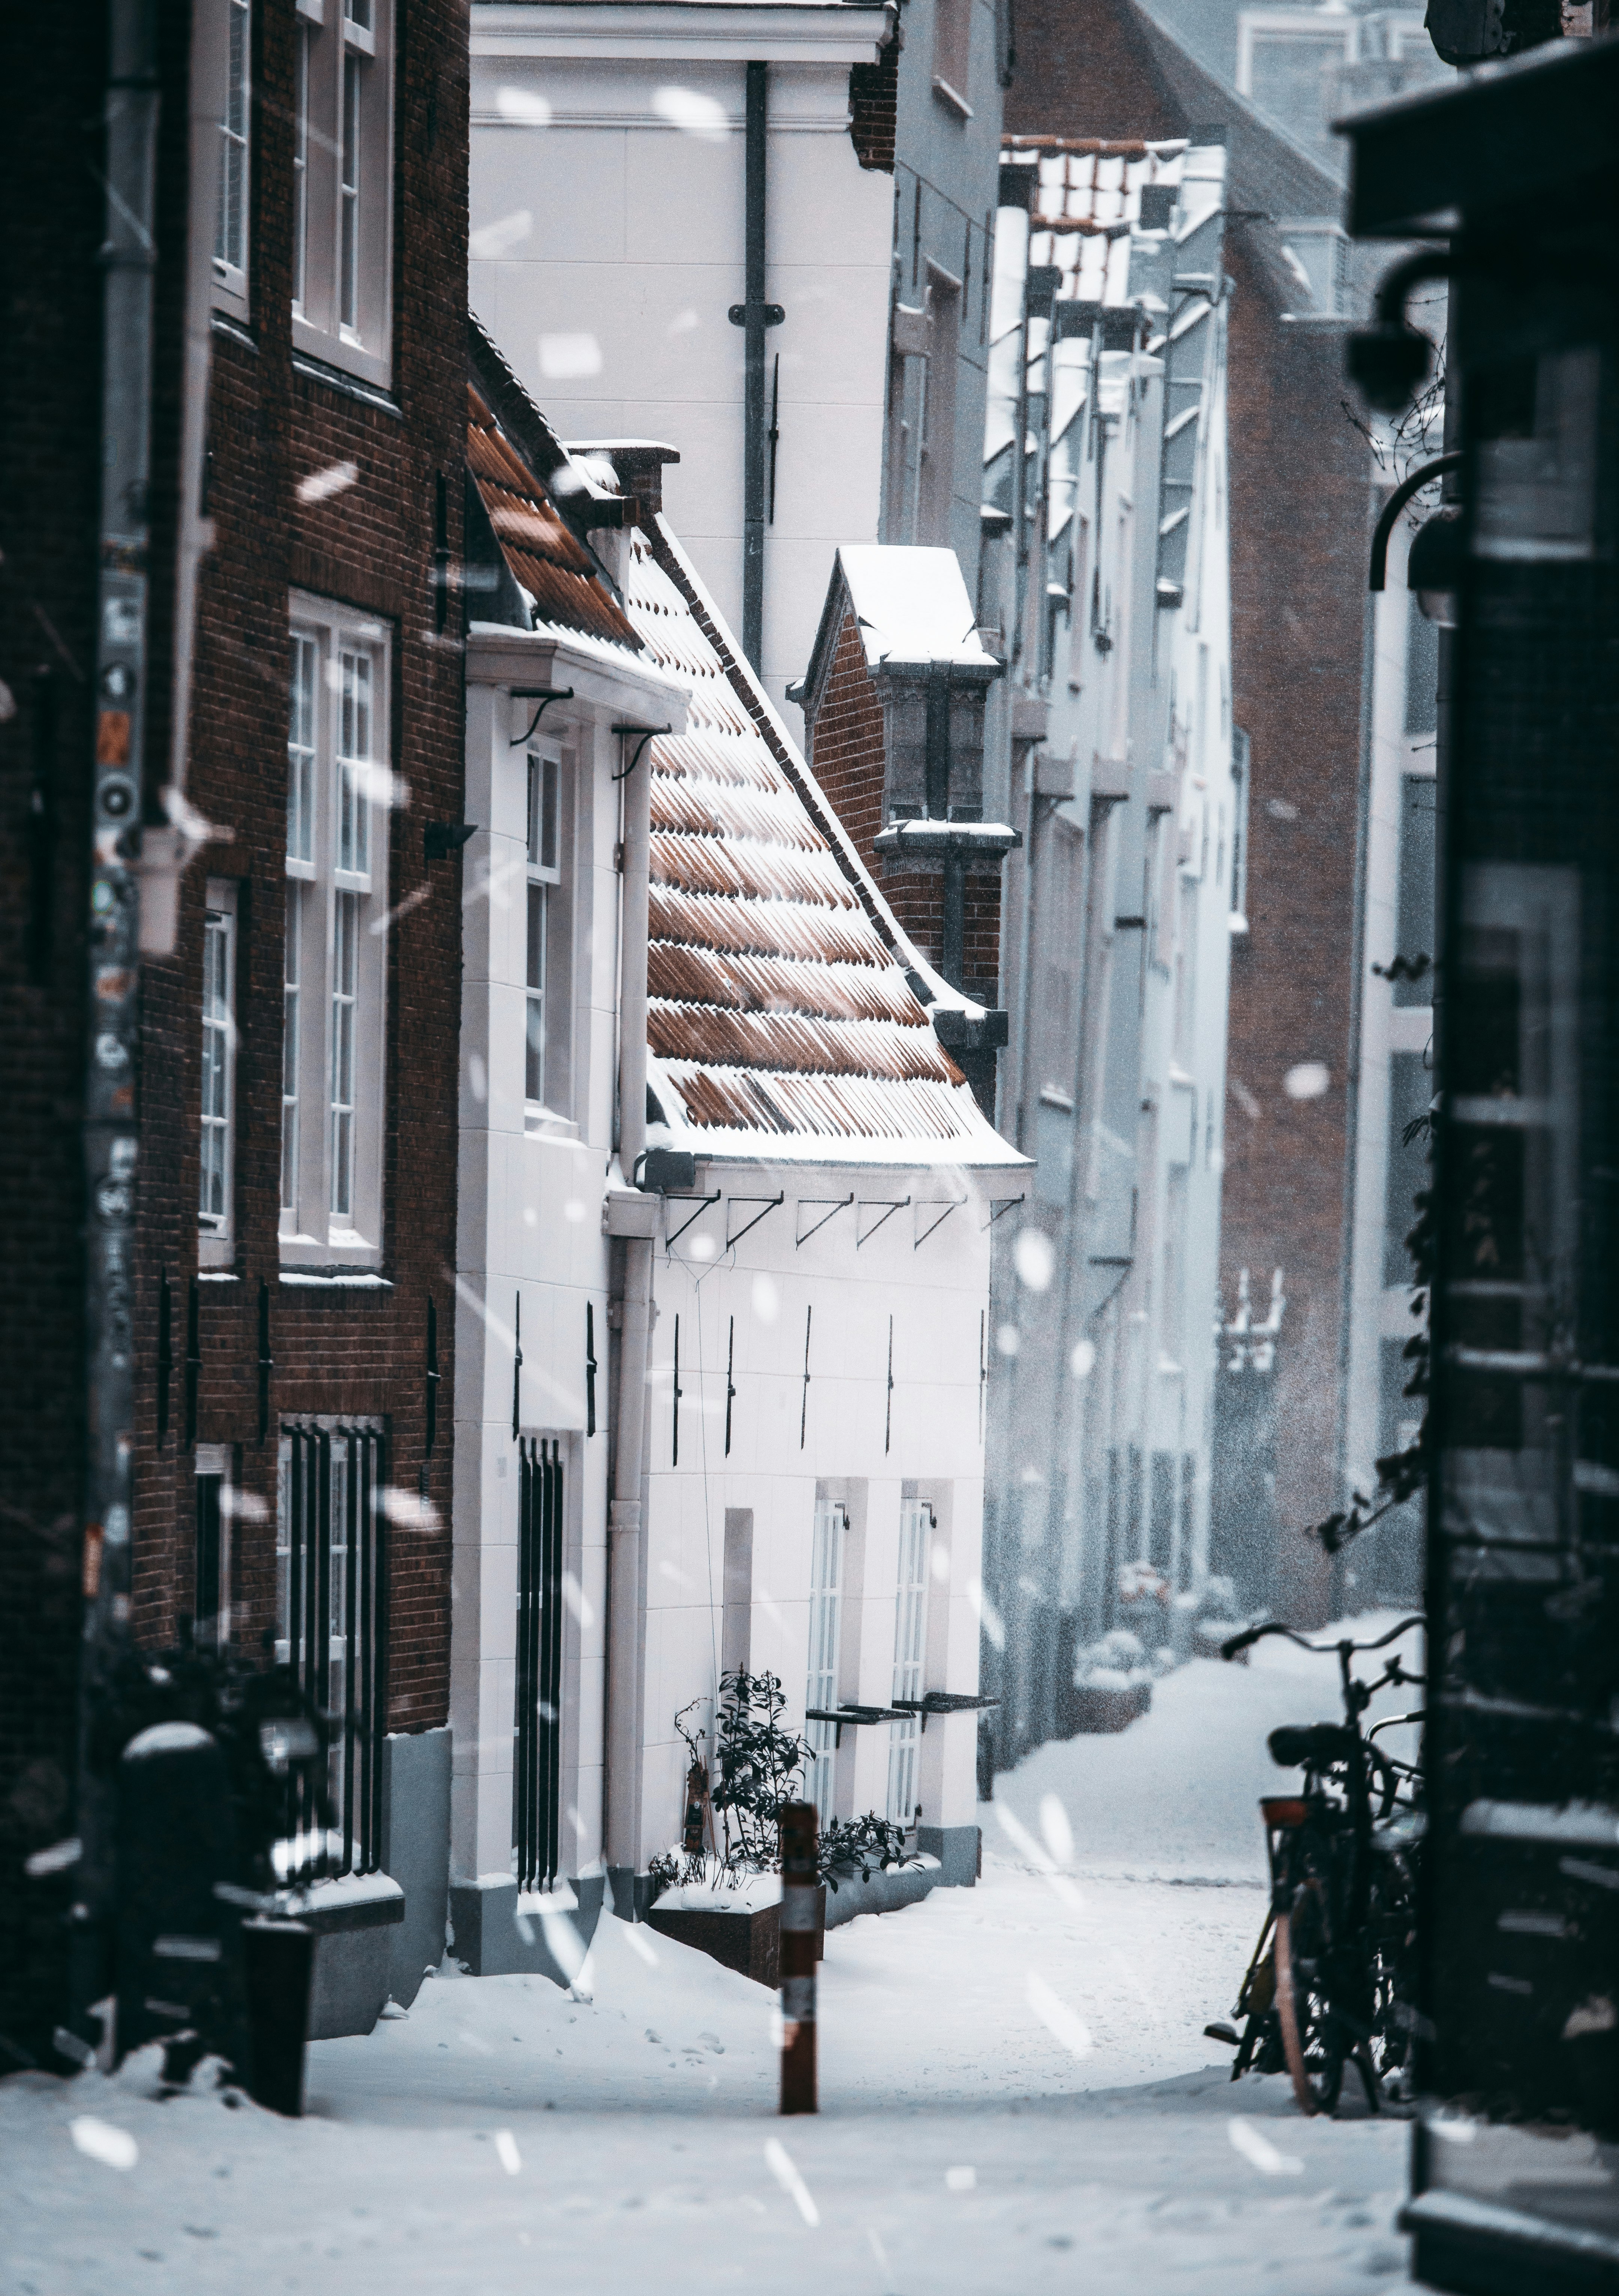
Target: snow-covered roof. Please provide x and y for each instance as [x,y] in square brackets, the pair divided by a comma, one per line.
[783,1018]
[1086,204]
[781,1022]
[911,606]
[546,559]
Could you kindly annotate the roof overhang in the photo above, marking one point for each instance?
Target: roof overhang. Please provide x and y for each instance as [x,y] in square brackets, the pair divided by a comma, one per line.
[602,675]
[747,31]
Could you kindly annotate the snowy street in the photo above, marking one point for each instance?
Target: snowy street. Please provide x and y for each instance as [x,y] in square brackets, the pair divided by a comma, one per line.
[1015,2091]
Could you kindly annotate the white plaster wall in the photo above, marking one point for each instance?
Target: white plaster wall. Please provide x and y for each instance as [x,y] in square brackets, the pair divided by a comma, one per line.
[529,1229]
[1378,1311]
[937,1295]
[610,225]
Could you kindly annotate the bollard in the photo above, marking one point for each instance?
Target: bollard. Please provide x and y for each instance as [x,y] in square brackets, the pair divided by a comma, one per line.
[799,1897]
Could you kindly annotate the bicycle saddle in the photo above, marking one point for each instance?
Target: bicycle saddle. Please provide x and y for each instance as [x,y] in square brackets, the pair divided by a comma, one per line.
[1311,1746]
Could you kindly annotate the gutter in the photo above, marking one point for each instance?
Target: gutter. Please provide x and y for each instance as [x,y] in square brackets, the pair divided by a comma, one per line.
[167,847]
[634,1219]
[754,315]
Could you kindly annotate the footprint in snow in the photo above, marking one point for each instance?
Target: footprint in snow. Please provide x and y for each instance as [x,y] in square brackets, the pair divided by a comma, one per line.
[654,2036]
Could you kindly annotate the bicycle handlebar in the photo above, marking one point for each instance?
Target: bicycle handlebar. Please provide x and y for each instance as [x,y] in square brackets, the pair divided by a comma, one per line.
[1252,1634]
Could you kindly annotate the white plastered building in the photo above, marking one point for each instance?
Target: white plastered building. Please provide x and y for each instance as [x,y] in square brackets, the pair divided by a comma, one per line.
[724,1255]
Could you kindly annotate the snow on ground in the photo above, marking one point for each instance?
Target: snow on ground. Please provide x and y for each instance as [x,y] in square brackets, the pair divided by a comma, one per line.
[1015,2093]
[1176,1795]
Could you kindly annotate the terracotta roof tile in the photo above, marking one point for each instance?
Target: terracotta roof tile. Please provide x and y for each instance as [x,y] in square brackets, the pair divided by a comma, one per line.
[779,997]
[544,554]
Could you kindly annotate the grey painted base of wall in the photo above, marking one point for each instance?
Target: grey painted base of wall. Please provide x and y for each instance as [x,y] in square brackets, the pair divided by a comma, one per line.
[630,1893]
[353,1959]
[494,1941]
[415,1850]
[351,1974]
[959,1850]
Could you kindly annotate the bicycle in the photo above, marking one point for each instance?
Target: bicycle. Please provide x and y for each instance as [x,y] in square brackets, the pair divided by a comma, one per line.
[1331,1978]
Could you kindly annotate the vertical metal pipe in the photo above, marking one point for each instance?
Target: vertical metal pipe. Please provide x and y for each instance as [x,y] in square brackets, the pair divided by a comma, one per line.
[128,259]
[936,739]
[953,956]
[622,1811]
[800,1908]
[755,442]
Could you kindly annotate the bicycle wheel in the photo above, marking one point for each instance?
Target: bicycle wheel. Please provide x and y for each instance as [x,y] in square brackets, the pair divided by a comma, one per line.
[1311,2041]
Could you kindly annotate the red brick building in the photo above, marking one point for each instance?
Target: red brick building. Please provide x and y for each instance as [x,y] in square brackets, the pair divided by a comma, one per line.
[291,1321]
[893,703]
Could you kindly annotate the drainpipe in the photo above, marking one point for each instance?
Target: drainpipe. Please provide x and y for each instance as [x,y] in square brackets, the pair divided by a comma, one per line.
[129,260]
[624,1518]
[755,319]
[937,789]
[167,846]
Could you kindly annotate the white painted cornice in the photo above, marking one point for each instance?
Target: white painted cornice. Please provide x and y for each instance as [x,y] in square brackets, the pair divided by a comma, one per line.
[602,676]
[721,31]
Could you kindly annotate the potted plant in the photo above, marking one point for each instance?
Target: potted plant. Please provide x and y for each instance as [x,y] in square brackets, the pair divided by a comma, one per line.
[720,1890]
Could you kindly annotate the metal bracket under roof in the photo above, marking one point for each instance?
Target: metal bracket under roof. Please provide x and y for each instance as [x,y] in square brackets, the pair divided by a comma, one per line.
[545,695]
[702,1203]
[647,733]
[814,1203]
[999,1204]
[885,1212]
[769,1203]
[942,1208]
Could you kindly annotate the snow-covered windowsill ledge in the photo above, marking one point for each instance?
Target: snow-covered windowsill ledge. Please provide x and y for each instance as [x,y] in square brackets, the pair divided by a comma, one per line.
[352,1901]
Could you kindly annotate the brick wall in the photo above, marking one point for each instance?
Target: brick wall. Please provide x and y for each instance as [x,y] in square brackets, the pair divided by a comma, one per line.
[874,108]
[845,734]
[1300,497]
[369,545]
[845,737]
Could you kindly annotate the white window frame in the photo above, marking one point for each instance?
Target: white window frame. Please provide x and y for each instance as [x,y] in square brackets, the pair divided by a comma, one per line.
[543,798]
[953,55]
[224,83]
[335,1081]
[217,1092]
[918,1525]
[826,1650]
[1241,769]
[343,307]
[217,1461]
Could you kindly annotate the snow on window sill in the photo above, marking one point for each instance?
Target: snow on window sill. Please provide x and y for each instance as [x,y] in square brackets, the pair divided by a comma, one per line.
[352,1279]
[541,1123]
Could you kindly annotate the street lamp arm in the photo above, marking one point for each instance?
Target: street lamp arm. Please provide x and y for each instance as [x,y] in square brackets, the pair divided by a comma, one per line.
[1412,483]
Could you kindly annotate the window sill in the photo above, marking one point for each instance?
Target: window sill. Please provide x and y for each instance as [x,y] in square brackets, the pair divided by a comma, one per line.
[539,1124]
[352,386]
[950,98]
[339,1279]
[235,330]
[218,1276]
